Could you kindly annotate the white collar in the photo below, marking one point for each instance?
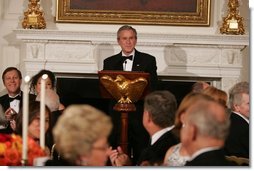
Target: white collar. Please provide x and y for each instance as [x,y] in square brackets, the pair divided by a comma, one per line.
[159,133]
[19,94]
[203,150]
[239,114]
[132,53]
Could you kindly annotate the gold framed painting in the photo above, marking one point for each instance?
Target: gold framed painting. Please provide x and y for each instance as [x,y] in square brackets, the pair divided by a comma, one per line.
[143,12]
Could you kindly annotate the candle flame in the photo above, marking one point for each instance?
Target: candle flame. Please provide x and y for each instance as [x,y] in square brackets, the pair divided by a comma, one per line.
[44,76]
[27,79]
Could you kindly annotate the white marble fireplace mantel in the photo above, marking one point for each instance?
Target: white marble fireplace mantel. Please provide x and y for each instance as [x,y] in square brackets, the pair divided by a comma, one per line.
[208,56]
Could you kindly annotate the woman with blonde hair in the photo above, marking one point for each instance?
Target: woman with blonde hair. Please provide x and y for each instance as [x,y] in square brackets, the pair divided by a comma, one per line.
[217,94]
[177,155]
[81,135]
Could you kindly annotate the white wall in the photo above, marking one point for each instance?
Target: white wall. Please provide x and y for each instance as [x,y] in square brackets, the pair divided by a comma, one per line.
[11,15]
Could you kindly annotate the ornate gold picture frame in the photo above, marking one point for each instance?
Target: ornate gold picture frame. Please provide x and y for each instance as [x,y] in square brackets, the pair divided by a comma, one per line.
[144,12]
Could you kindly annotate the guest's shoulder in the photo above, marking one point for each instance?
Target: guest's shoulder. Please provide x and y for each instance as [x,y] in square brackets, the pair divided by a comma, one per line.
[32,97]
[112,57]
[147,55]
[3,97]
[59,162]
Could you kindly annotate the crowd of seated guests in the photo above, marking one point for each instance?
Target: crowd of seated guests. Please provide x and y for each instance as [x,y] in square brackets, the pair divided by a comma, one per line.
[200,132]
[11,105]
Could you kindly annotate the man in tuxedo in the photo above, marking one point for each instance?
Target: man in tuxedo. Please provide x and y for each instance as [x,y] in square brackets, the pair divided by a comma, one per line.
[237,143]
[129,59]
[12,101]
[204,130]
[158,120]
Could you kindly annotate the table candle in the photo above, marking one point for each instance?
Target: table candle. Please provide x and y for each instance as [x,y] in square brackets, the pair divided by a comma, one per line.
[42,110]
[25,120]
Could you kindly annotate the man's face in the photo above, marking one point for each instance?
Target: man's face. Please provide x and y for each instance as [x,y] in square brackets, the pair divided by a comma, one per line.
[12,82]
[127,41]
[244,107]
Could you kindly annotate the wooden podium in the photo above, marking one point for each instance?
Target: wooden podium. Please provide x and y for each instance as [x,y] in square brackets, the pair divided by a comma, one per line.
[127,87]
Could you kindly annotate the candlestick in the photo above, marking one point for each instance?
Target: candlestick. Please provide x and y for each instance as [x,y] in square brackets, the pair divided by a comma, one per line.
[25,119]
[42,110]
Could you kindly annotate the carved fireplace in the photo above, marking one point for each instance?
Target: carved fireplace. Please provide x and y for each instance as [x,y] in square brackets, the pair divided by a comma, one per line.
[181,59]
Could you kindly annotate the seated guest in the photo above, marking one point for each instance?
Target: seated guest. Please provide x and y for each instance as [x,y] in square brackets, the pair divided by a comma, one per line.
[35,86]
[52,102]
[204,130]
[237,143]
[177,154]
[217,94]
[199,86]
[51,99]
[158,120]
[3,120]
[81,137]
[34,123]
[12,101]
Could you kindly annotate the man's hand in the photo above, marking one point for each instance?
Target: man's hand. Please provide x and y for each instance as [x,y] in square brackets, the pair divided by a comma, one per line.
[9,113]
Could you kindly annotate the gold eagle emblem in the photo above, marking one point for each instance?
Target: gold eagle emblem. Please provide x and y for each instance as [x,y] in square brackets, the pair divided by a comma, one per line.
[124,90]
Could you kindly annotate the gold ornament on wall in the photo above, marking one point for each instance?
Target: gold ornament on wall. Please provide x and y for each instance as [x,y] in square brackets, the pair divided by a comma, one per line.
[34,16]
[233,22]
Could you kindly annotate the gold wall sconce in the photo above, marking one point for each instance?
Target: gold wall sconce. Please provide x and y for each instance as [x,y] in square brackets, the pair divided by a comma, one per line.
[34,16]
[233,22]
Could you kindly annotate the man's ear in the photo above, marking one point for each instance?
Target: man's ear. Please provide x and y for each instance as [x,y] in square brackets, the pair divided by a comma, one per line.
[193,131]
[236,107]
[147,115]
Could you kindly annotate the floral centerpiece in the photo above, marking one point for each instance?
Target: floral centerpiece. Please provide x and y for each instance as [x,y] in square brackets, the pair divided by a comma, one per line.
[11,150]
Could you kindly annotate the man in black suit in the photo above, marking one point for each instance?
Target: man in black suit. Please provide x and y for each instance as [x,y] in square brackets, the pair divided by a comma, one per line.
[11,101]
[237,143]
[129,59]
[158,120]
[205,128]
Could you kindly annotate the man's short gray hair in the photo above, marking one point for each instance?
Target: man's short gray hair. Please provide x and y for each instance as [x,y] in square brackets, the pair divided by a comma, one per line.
[235,93]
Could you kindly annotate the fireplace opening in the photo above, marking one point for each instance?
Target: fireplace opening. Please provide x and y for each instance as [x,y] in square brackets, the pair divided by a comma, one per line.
[84,89]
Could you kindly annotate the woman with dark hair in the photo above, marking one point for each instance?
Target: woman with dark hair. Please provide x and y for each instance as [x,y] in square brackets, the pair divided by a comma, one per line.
[35,86]
[34,124]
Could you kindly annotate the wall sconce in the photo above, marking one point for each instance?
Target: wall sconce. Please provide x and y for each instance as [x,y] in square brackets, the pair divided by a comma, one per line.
[34,16]
[233,22]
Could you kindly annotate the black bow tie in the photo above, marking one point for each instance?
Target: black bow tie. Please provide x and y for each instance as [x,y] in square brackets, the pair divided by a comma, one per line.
[13,98]
[127,57]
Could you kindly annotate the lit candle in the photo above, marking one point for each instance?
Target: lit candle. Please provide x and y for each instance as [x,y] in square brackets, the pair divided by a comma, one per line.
[42,110]
[25,120]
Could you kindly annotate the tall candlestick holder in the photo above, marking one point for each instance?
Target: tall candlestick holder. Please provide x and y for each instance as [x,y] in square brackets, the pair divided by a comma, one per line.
[34,16]
[233,22]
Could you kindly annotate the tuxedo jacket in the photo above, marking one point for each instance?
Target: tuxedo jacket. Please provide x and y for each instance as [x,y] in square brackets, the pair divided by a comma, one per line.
[5,102]
[142,62]
[154,154]
[210,158]
[237,143]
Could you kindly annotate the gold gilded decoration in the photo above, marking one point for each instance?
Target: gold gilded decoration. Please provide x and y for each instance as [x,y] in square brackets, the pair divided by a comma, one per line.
[125,91]
[34,16]
[145,12]
[233,22]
